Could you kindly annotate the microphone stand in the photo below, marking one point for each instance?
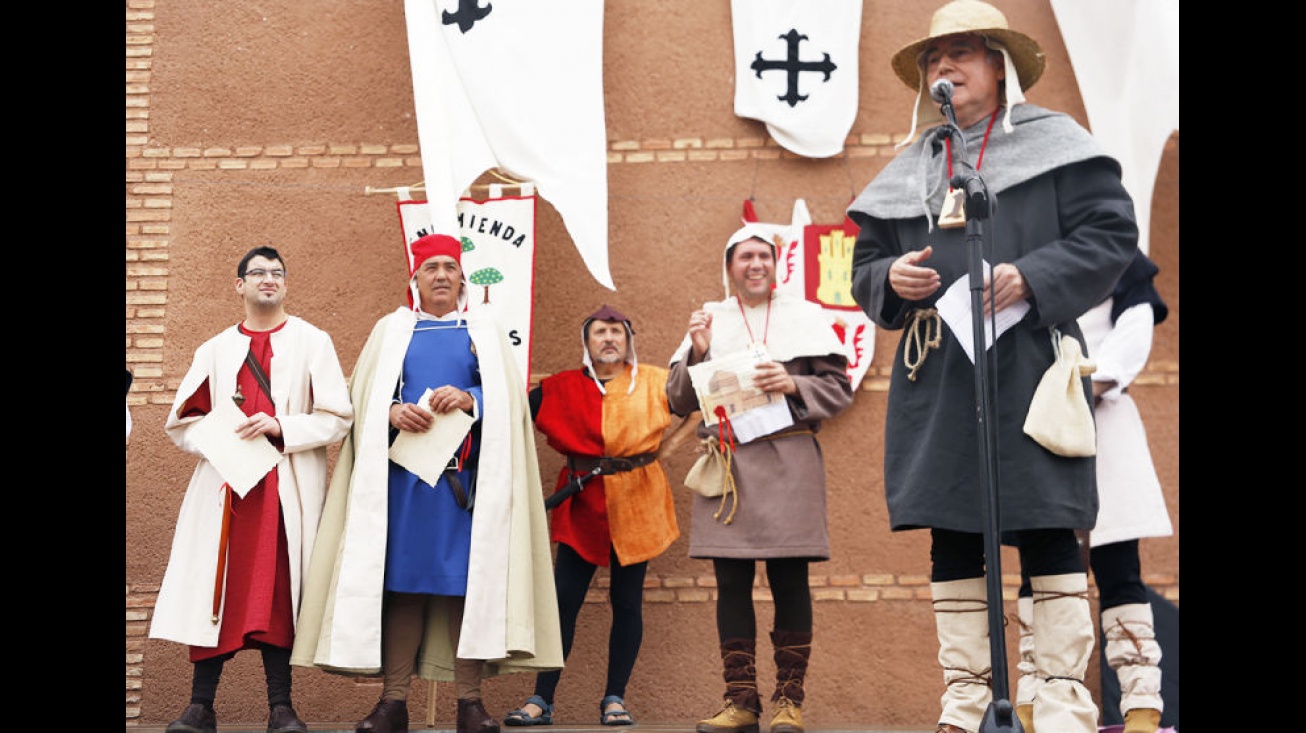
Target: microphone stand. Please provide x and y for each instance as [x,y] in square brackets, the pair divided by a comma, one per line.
[1000,716]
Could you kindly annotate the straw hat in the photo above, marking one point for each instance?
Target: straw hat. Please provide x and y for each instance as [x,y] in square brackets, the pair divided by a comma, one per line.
[972,16]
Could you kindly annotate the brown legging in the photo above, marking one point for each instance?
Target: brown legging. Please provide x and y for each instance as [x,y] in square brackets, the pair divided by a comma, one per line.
[402,627]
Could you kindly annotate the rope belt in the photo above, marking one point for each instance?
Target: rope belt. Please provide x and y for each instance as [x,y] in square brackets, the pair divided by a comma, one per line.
[608,465]
[918,344]
[730,490]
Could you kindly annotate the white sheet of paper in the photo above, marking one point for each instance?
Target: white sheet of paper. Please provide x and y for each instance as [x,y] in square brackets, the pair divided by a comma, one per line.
[954,308]
[753,413]
[241,463]
[427,454]
[760,421]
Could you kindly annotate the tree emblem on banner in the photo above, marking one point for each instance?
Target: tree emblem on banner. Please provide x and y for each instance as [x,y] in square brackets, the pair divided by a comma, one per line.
[498,246]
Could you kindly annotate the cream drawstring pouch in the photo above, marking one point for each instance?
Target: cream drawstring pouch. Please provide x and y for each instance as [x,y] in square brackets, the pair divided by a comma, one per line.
[1059,417]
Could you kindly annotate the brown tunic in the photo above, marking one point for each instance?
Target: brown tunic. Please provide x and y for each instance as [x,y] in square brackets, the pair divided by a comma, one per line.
[781,481]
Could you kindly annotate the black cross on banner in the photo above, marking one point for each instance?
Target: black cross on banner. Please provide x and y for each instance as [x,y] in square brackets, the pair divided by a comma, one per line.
[793,66]
[467,14]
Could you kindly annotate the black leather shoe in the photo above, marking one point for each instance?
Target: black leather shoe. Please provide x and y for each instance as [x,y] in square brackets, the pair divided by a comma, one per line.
[389,716]
[473,718]
[194,719]
[282,719]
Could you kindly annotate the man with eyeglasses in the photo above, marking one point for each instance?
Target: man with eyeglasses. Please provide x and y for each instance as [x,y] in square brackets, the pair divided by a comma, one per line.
[237,565]
[446,572]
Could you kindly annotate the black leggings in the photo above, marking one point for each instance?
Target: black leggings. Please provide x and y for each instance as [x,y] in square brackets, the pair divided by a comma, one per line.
[572,575]
[960,555]
[276,670]
[1117,572]
[735,616]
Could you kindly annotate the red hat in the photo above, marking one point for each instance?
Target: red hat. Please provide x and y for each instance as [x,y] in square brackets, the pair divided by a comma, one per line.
[424,248]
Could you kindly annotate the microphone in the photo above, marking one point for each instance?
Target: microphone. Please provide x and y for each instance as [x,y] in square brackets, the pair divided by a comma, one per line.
[941,92]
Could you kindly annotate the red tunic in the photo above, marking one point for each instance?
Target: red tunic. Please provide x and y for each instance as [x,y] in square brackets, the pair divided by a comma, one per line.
[630,512]
[257,606]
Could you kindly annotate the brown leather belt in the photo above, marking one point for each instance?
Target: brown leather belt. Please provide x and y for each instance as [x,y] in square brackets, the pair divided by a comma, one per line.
[788,432]
[459,493]
[608,465]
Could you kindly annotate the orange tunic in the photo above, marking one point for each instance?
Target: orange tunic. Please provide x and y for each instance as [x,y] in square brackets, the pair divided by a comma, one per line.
[630,512]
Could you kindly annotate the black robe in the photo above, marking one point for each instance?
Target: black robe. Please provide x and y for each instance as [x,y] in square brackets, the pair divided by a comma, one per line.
[1070,230]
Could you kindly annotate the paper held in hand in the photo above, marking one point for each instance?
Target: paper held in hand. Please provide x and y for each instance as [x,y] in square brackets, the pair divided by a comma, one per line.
[727,381]
[241,463]
[427,454]
[954,308]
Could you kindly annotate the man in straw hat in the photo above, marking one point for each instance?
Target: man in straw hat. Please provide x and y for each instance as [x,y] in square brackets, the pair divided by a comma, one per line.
[777,511]
[608,418]
[1061,232]
[447,579]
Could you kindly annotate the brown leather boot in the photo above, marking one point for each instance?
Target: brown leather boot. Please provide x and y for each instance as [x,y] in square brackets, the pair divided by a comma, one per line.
[1142,720]
[389,716]
[473,718]
[194,719]
[792,650]
[788,717]
[282,719]
[739,662]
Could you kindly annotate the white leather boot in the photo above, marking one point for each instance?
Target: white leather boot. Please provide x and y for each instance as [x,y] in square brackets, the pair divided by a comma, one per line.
[1027,682]
[961,619]
[1063,644]
[1131,650]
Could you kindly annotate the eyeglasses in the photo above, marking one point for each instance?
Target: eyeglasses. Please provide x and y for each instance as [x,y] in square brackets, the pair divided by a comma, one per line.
[264,274]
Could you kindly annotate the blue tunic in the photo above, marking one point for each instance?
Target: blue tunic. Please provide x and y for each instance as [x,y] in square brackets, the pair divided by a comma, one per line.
[429,535]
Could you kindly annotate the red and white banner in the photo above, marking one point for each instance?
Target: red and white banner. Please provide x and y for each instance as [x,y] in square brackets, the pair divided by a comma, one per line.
[516,86]
[815,263]
[498,236]
[796,70]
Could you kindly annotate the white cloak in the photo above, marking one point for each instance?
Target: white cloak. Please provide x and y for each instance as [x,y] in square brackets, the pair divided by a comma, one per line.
[511,613]
[1131,505]
[312,404]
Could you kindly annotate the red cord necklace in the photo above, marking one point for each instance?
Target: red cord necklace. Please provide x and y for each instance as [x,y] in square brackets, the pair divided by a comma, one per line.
[765,329]
[953,214]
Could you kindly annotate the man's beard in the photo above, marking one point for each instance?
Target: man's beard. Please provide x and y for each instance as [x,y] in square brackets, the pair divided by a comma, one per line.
[260,304]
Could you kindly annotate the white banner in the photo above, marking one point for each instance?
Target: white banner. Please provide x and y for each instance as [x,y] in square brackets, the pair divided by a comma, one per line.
[796,70]
[1126,59]
[815,263]
[517,86]
[498,258]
